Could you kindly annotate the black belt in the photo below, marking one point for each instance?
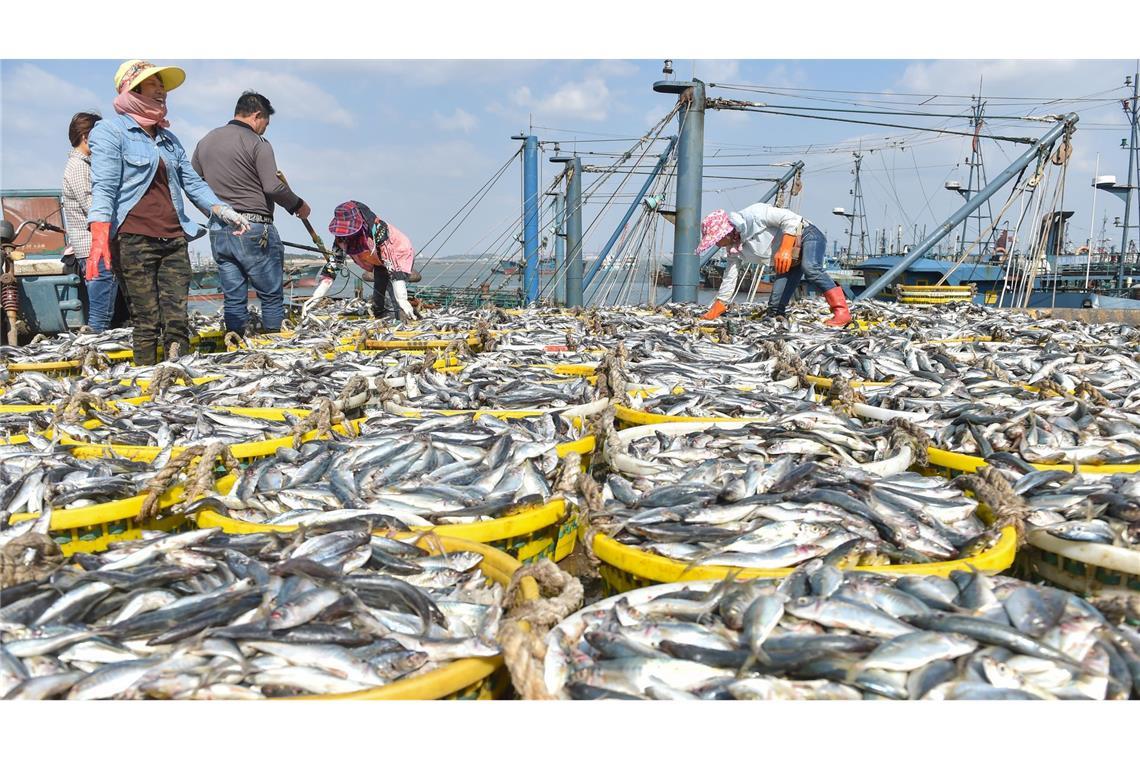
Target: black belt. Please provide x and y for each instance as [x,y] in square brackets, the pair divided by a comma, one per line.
[259,218]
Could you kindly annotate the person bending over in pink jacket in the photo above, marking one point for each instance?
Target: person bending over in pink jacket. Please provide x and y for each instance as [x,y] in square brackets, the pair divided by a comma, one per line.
[379,248]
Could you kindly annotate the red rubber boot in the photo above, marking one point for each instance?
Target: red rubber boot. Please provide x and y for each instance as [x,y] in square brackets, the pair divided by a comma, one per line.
[840,316]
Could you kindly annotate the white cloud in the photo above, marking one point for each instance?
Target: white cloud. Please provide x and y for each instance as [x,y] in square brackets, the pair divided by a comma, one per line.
[521,96]
[425,72]
[215,86]
[36,101]
[459,121]
[29,84]
[614,68]
[714,71]
[587,100]
[783,76]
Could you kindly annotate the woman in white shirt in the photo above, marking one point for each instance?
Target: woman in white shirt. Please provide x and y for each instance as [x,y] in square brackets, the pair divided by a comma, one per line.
[762,233]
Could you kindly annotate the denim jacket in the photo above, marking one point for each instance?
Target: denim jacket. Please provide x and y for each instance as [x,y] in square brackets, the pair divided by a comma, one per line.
[124,160]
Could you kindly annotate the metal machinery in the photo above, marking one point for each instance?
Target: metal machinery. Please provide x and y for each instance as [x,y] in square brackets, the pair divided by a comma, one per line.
[39,291]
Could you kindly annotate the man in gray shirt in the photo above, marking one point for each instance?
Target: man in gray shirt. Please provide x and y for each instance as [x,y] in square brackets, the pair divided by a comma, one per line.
[237,163]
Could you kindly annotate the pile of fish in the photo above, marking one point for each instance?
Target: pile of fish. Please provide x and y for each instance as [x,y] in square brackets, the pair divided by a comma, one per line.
[1048,431]
[163,425]
[734,512]
[803,430]
[72,346]
[27,388]
[1103,510]
[202,615]
[729,402]
[746,371]
[22,422]
[822,633]
[40,476]
[402,473]
[277,379]
[487,385]
[68,347]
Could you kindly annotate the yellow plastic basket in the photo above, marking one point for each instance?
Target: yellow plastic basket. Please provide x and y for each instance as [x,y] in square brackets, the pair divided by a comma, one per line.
[416,345]
[951,464]
[144,383]
[25,408]
[636,418]
[243,452]
[470,678]
[547,530]
[577,413]
[825,382]
[569,370]
[91,529]
[52,369]
[205,342]
[625,568]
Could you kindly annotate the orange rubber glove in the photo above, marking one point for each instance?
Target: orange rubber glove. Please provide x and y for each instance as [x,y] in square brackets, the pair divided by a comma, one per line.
[100,248]
[783,260]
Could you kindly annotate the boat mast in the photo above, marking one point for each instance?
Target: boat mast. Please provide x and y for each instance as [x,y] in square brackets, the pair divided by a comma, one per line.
[976,180]
[1131,108]
[858,210]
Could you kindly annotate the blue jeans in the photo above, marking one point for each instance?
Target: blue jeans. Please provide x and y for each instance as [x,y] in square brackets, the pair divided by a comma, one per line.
[255,258]
[101,293]
[810,268]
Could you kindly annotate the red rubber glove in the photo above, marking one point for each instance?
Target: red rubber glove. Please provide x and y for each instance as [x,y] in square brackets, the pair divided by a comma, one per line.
[100,248]
[783,260]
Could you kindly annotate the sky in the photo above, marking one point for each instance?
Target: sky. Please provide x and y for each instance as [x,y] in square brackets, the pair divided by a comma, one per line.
[417,139]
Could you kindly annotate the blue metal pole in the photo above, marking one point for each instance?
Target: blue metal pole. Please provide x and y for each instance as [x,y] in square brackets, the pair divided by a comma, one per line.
[559,249]
[768,195]
[690,168]
[629,212]
[977,200]
[530,218]
[573,229]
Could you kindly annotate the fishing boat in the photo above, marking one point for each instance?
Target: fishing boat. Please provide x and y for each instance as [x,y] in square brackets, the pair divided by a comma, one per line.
[1075,279]
[301,276]
[511,267]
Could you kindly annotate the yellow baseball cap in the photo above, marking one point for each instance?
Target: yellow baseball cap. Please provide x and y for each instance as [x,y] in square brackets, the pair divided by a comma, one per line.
[135,70]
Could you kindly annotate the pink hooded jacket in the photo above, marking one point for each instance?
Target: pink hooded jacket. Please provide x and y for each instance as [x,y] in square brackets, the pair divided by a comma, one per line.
[397,252]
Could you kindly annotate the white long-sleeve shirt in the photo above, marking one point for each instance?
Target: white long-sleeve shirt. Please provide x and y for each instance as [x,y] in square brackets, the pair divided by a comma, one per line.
[762,228]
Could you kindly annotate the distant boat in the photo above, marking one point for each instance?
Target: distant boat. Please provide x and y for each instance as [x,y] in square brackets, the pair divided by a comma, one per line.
[300,274]
[510,267]
[712,274]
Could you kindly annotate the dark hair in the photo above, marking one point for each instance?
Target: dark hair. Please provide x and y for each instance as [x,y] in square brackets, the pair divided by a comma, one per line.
[80,127]
[250,103]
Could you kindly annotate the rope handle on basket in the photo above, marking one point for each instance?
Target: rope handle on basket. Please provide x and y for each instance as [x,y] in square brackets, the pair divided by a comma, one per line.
[522,635]
[991,488]
[201,476]
[233,341]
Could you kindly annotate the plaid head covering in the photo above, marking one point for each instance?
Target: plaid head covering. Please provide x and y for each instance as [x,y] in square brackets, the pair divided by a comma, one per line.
[347,220]
[714,227]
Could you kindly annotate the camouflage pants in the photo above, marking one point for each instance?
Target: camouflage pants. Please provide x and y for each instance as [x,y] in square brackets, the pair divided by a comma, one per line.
[155,274]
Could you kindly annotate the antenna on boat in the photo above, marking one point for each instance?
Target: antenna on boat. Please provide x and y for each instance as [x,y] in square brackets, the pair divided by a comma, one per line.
[858,211]
[976,181]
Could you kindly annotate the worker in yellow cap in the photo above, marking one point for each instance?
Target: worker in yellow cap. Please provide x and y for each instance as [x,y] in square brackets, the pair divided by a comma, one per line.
[761,231]
[139,171]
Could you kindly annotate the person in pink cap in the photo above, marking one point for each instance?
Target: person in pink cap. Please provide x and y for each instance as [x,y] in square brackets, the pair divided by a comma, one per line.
[379,248]
[761,233]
